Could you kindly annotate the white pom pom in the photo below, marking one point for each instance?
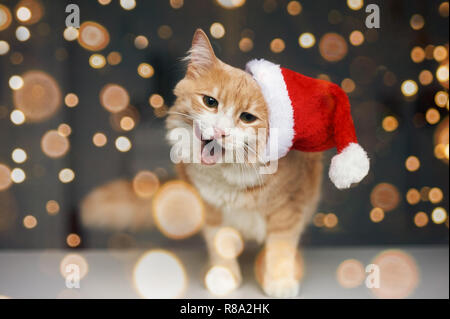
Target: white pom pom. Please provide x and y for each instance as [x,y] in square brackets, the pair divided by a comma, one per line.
[348,167]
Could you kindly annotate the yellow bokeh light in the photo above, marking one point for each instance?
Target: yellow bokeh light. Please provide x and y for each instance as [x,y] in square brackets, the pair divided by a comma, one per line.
[52,207]
[145,70]
[425,77]
[440,53]
[444,9]
[350,273]
[23,14]
[19,155]
[356,38]
[409,88]
[421,219]
[178,210]
[66,175]
[73,240]
[165,32]
[93,36]
[230,4]
[16,82]
[159,274]
[348,85]
[54,145]
[412,163]
[145,184]
[442,73]
[97,61]
[127,123]
[417,54]
[432,116]
[330,220]
[123,144]
[5,177]
[99,139]
[23,33]
[355,4]
[70,34]
[64,129]
[441,98]
[435,195]
[29,222]
[18,175]
[114,98]
[376,215]
[413,196]
[4,47]
[390,123]
[306,40]
[5,17]
[217,30]
[128,4]
[439,215]
[156,100]
[67,264]
[17,117]
[228,243]
[71,100]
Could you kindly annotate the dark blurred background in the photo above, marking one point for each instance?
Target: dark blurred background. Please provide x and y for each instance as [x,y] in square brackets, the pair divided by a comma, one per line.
[52,79]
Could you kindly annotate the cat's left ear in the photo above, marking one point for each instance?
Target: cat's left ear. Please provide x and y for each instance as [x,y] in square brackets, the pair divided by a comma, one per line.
[201,54]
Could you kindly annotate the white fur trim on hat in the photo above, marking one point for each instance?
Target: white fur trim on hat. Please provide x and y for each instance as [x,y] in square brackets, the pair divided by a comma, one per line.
[349,166]
[281,115]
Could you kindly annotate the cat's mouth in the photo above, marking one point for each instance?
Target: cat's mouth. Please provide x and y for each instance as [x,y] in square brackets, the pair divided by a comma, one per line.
[211,151]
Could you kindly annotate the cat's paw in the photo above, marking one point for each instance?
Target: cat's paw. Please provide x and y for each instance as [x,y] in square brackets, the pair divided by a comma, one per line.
[281,287]
[220,280]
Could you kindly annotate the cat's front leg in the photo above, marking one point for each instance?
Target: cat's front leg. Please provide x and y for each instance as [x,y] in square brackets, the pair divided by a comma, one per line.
[280,265]
[224,274]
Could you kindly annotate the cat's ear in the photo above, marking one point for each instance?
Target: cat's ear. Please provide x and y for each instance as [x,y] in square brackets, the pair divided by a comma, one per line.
[201,55]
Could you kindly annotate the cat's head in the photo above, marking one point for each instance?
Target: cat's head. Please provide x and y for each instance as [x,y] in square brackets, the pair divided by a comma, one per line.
[221,106]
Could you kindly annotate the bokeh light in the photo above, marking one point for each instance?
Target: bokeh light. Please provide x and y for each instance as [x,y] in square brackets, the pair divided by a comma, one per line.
[220,281]
[71,100]
[217,30]
[425,77]
[306,40]
[390,123]
[417,54]
[409,88]
[439,215]
[141,42]
[421,219]
[178,210]
[52,207]
[66,175]
[18,155]
[17,117]
[23,33]
[350,273]
[356,38]
[30,222]
[376,215]
[114,98]
[93,36]
[159,274]
[145,70]
[123,144]
[230,4]
[228,243]
[4,47]
[99,139]
[156,101]
[277,45]
[73,240]
[5,177]
[18,175]
[246,44]
[97,61]
[333,47]
[40,96]
[385,196]
[128,4]
[399,275]
[417,22]
[145,184]
[413,196]
[355,4]
[412,163]
[5,17]
[70,34]
[54,145]
[69,261]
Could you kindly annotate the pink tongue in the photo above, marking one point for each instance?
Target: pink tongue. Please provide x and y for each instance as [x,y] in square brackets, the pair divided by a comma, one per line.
[207,158]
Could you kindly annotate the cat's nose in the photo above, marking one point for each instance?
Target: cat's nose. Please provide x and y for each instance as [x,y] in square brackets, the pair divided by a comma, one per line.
[219,133]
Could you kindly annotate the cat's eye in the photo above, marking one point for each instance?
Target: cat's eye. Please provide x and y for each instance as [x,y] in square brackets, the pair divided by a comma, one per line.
[210,101]
[247,117]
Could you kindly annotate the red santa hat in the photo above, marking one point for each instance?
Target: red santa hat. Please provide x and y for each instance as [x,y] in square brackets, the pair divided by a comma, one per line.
[310,115]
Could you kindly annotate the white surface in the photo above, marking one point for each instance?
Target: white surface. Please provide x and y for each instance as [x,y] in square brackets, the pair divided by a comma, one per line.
[35,274]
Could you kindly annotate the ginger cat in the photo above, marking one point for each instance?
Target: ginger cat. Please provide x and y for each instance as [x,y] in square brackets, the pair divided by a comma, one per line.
[270,208]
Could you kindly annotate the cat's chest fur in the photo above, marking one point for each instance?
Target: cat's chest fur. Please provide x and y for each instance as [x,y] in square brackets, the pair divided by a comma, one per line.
[225,187]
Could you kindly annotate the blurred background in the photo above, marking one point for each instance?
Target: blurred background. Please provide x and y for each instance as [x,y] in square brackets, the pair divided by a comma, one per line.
[82,146]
